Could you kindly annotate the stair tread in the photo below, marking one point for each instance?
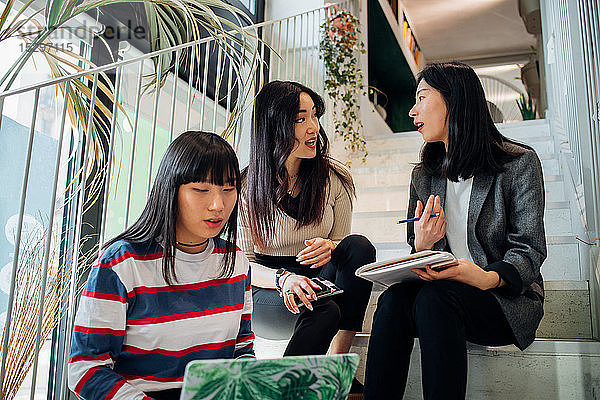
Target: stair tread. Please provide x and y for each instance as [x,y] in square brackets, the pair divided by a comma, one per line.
[549,285]
[550,240]
[587,347]
[551,205]
[504,128]
[407,167]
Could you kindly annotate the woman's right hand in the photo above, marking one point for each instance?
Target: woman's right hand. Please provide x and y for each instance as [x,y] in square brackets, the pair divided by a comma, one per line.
[429,230]
[302,287]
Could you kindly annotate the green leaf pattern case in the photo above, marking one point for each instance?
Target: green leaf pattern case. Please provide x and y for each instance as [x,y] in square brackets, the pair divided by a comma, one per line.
[290,378]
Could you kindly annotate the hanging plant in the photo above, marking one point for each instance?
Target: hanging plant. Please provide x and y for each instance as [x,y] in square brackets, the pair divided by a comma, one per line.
[340,46]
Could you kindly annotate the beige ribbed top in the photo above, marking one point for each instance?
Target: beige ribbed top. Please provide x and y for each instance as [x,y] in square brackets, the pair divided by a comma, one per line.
[289,240]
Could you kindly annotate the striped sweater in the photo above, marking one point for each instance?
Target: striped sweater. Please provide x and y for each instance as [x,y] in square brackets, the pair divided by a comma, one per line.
[134,333]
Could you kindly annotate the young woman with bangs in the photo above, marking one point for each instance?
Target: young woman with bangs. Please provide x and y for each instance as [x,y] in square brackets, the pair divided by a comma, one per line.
[480,196]
[295,216]
[169,289]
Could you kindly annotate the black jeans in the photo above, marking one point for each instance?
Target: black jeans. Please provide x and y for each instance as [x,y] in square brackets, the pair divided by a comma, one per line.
[443,315]
[311,332]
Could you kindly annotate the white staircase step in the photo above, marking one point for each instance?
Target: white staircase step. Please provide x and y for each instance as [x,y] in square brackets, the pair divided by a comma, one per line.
[382,190]
[562,261]
[524,129]
[566,310]
[382,176]
[542,145]
[529,132]
[548,369]
[389,250]
[387,198]
[398,173]
[382,199]
[397,156]
[407,143]
[550,166]
[555,191]
[557,221]
[381,226]
[567,303]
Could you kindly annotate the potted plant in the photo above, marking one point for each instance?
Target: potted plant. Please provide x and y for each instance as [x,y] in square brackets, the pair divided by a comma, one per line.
[526,107]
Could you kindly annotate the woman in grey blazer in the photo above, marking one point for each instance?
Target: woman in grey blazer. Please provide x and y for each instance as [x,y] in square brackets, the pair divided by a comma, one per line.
[480,196]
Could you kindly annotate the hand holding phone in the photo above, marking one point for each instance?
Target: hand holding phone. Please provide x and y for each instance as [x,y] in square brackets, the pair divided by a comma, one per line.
[325,289]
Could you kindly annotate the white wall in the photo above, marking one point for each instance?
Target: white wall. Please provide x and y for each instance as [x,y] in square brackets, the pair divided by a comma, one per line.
[276,9]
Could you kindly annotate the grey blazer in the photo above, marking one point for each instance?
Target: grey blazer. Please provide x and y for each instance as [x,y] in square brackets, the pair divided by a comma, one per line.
[505,233]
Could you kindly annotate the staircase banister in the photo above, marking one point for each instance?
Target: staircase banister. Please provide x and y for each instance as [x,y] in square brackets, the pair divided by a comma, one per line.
[142,57]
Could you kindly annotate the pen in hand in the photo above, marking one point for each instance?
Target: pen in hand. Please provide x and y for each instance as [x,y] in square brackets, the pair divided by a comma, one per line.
[415,219]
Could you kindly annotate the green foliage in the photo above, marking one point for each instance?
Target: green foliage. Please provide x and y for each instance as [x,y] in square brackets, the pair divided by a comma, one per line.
[340,46]
[284,379]
[297,383]
[526,107]
[171,23]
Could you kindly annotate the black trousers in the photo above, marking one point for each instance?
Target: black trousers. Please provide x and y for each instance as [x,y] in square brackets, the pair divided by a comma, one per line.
[311,332]
[443,315]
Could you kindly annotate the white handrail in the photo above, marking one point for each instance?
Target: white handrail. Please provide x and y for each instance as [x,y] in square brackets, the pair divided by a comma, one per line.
[146,56]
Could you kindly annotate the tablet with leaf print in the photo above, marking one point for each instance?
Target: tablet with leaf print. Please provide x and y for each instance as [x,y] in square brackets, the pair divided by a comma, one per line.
[320,377]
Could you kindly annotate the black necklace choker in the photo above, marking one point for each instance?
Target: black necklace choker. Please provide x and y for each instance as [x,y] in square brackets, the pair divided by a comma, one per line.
[192,244]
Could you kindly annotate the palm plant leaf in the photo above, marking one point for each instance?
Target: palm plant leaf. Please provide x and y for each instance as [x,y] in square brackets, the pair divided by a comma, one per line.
[172,22]
[53,8]
[16,25]
[5,12]
[78,108]
[186,15]
[15,21]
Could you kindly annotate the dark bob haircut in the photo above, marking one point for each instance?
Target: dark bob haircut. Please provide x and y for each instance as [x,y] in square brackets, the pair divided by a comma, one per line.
[192,157]
[474,142]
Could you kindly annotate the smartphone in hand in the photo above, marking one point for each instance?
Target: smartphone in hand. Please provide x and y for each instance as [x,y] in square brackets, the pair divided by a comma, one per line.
[326,289]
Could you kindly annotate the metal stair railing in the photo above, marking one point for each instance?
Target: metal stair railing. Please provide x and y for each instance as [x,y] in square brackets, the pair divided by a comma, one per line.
[289,50]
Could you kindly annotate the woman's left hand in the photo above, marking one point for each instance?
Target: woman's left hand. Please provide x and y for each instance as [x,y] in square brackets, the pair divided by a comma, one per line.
[317,252]
[466,272]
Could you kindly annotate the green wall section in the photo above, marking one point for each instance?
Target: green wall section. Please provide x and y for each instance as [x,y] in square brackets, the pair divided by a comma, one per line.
[389,70]
[117,200]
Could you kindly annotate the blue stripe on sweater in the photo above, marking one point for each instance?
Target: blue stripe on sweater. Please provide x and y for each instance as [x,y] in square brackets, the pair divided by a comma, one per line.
[104,280]
[245,327]
[86,344]
[152,305]
[121,247]
[169,366]
[100,384]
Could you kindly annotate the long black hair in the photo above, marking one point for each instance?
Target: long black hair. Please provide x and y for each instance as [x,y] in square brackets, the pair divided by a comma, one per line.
[192,157]
[273,139]
[474,142]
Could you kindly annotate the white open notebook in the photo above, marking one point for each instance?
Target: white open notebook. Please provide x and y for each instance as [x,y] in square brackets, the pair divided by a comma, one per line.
[398,270]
